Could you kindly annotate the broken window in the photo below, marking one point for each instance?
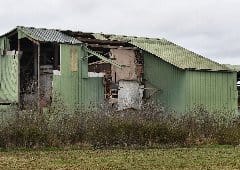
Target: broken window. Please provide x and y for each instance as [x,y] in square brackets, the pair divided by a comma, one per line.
[50,55]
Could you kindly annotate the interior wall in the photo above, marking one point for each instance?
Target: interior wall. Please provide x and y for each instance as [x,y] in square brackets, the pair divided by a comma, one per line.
[126,58]
[49,61]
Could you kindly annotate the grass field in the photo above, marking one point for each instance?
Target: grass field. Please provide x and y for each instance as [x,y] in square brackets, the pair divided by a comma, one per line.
[182,158]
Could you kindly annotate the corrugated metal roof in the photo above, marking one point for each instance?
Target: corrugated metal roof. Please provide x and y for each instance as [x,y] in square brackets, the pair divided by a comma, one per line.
[164,49]
[171,53]
[233,67]
[48,35]
[99,36]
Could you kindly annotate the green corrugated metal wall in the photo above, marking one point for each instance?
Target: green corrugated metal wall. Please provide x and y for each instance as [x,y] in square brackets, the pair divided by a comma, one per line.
[72,86]
[168,79]
[215,90]
[8,76]
[182,90]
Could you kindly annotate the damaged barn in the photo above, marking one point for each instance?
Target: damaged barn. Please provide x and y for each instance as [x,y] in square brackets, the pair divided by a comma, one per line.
[39,66]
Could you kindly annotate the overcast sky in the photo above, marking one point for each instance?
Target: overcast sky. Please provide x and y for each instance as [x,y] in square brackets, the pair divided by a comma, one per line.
[207,27]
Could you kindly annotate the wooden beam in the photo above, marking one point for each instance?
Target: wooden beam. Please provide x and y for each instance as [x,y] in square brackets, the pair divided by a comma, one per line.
[35,57]
[107,60]
[56,56]
[18,78]
[97,41]
[38,75]
[112,47]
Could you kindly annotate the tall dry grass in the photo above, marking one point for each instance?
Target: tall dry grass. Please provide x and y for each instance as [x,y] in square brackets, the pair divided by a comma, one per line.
[150,127]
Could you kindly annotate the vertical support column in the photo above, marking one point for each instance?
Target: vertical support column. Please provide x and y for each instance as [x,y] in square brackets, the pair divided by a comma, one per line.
[56,57]
[35,58]
[18,78]
[38,75]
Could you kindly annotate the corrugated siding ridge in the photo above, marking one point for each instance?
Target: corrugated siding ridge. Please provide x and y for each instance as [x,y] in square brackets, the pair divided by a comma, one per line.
[205,58]
[156,55]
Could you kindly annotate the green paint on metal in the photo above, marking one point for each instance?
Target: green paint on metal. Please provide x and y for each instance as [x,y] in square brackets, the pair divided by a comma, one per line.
[72,87]
[182,90]
[21,34]
[215,91]
[164,82]
[8,77]
[169,71]
[84,65]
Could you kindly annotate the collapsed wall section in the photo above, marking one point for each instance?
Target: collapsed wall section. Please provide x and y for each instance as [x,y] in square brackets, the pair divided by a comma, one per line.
[118,82]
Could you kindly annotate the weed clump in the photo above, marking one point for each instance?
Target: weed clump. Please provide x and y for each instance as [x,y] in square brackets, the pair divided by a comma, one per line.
[149,127]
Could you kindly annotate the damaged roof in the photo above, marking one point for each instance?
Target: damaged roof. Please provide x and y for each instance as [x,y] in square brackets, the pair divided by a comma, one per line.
[162,48]
[170,52]
[233,67]
[46,35]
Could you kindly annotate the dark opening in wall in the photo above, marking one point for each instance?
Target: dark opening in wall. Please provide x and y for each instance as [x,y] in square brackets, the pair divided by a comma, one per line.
[28,72]
[13,41]
[50,55]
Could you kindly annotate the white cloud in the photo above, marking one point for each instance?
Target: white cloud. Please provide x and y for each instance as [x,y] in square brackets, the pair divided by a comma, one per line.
[208,27]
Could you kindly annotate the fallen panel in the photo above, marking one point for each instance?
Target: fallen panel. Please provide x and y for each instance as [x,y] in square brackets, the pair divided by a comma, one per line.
[130,95]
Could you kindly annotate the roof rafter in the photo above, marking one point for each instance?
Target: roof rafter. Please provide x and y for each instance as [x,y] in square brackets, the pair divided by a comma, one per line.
[103,58]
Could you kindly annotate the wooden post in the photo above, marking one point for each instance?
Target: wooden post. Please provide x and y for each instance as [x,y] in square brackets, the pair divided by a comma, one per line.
[35,58]
[56,57]
[19,73]
[38,75]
